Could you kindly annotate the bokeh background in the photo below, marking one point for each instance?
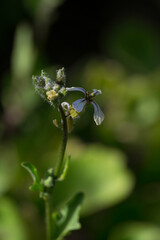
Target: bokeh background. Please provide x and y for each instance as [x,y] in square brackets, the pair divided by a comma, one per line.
[113,46]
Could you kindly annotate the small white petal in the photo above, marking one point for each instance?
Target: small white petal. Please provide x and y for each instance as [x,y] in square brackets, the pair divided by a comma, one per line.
[79,104]
[96,92]
[98,114]
[65,105]
[76,89]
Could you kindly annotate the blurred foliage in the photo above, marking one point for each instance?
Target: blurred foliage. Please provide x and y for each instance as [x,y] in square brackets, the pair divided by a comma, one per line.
[98,172]
[136,231]
[11,225]
[117,164]
[8,168]
[135,44]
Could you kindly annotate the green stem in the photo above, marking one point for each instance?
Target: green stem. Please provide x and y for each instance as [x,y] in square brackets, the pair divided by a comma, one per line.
[57,172]
[64,142]
[48,216]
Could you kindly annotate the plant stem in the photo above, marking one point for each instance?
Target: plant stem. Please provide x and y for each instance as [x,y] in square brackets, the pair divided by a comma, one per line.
[57,172]
[48,216]
[64,142]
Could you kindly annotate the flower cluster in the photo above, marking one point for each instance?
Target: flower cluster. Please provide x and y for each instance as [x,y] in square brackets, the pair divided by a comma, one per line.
[49,90]
[54,91]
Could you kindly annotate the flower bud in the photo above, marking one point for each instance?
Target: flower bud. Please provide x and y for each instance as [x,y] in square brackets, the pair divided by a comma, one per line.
[61,75]
[48,182]
[51,91]
[63,91]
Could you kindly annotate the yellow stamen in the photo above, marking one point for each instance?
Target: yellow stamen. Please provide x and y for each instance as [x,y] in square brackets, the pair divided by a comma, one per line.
[73,113]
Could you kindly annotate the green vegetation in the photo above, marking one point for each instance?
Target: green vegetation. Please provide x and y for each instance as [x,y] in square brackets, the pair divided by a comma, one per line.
[116,164]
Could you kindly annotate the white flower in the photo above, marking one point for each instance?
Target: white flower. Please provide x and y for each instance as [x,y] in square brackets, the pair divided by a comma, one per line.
[79,104]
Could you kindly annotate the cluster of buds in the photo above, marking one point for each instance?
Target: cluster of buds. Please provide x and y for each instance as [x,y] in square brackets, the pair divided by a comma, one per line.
[49,90]
[54,91]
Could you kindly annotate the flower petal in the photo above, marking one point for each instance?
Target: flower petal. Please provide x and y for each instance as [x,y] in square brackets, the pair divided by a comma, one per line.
[98,114]
[76,89]
[79,104]
[65,105]
[96,92]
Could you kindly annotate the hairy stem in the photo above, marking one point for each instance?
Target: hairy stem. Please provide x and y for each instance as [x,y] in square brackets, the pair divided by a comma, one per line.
[64,142]
[48,211]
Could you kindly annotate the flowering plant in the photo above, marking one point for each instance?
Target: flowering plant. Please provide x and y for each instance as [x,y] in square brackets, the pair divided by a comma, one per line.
[59,224]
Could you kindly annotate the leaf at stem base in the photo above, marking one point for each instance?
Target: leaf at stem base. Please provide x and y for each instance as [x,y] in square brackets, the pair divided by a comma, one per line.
[67,219]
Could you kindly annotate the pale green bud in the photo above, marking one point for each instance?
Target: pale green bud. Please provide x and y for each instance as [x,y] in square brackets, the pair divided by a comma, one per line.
[61,75]
[63,91]
[48,182]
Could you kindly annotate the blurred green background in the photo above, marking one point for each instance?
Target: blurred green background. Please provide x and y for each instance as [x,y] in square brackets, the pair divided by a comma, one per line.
[113,46]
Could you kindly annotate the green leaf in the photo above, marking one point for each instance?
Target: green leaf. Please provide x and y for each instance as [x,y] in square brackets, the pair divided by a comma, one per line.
[68,218]
[34,174]
[65,169]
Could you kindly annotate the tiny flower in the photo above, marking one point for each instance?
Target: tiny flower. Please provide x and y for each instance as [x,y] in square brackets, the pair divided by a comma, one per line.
[52,95]
[79,104]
